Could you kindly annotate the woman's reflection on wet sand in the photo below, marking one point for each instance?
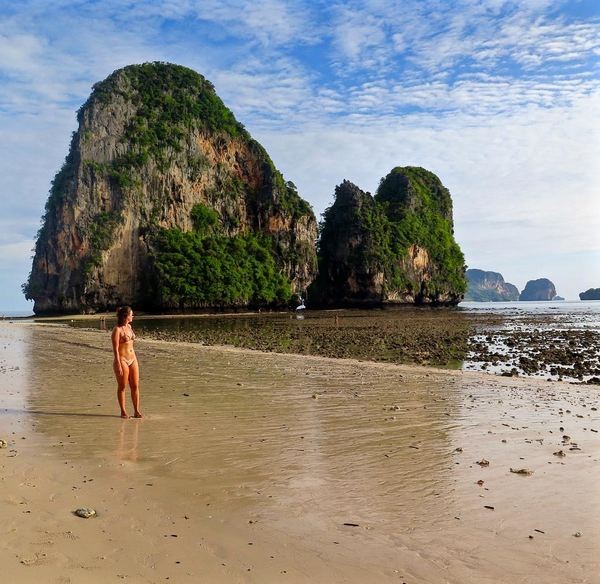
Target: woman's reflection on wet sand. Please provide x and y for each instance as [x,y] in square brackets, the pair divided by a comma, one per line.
[127,446]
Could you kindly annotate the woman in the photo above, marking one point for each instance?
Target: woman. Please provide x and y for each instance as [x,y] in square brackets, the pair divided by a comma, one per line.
[125,365]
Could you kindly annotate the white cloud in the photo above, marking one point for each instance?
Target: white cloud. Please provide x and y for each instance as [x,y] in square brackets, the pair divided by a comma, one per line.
[277,94]
[268,23]
[358,38]
[523,185]
[20,52]
[436,36]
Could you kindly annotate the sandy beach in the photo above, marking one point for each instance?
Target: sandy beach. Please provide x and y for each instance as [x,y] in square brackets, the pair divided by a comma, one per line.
[267,468]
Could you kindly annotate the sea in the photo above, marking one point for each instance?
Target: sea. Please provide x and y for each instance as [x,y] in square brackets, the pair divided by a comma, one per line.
[15,313]
[574,309]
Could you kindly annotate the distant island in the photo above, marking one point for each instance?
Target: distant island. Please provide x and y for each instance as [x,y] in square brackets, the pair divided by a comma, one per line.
[489,287]
[591,294]
[538,290]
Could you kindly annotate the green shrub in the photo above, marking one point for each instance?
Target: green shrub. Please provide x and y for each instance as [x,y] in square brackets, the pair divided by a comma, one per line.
[204,218]
[194,270]
[100,236]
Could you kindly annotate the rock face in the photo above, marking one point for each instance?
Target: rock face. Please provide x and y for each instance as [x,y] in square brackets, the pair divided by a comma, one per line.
[591,294]
[154,142]
[489,287]
[540,290]
[396,247]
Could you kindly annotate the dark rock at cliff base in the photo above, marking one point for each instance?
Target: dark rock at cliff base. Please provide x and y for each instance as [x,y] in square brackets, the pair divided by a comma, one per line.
[540,290]
[489,287]
[165,201]
[591,294]
[395,248]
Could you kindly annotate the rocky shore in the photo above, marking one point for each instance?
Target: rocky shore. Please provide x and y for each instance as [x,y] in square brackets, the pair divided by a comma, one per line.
[429,340]
[561,355]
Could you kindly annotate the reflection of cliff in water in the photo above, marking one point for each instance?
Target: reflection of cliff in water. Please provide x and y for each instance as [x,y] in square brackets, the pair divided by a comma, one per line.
[402,335]
[377,446]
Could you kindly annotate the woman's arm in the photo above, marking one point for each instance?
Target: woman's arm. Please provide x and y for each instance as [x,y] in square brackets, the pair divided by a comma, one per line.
[115,344]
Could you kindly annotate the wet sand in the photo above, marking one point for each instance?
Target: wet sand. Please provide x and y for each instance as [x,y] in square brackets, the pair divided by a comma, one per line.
[255,467]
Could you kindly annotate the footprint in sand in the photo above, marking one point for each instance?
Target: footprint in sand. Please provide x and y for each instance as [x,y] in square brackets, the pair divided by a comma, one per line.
[35,560]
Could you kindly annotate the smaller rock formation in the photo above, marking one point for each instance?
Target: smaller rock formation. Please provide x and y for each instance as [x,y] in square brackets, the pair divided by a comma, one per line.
[397,247]
[538,290]
[591,294]
[489,287]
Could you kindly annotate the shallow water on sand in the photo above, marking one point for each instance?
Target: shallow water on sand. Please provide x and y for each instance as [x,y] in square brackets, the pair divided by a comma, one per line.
[343,471]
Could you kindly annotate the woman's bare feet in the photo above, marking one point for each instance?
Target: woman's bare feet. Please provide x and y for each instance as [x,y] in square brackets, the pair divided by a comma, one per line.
[138,415]
[124,415]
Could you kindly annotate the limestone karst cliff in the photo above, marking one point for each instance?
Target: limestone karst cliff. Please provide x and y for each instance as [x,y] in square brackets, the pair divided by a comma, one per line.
[395,247]
[590,294]
[538,290]
[155,150]
[489,287]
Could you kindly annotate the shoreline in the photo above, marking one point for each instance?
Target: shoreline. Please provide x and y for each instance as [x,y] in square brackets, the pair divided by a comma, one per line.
[239,474]
[514,352]
[407,368]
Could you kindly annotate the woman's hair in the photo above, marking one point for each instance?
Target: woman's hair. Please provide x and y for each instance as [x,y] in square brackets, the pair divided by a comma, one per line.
[122,314]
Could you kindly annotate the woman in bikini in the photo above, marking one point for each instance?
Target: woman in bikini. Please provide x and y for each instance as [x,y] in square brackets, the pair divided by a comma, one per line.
[126,365]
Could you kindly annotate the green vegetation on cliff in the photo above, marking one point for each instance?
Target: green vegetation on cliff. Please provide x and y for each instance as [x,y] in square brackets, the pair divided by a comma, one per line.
[355,223]
[100,237]
[204,268]
[154,139]
[419,211]
[169,100]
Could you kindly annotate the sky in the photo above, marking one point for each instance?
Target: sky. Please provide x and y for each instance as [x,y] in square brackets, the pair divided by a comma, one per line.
[499,98]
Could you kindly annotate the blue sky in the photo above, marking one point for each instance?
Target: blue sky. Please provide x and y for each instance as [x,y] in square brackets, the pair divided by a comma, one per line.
[499,98]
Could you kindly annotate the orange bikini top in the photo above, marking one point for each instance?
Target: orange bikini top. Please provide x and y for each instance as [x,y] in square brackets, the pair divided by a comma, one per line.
[127,336]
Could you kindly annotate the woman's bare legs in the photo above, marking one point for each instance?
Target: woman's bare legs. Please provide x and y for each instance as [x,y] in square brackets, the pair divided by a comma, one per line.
[121,384]
[134,384]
